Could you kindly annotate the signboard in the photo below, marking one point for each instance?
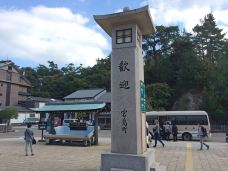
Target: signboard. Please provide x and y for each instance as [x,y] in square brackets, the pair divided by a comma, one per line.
[143,96]
[78,126]
[42,126]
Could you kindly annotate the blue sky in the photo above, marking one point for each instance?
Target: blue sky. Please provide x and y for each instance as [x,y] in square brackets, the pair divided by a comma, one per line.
[84,7]
[35,31]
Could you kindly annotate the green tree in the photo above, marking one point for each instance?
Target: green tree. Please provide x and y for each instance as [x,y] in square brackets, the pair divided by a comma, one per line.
[8,113]
[209,39]
[157,48]
[160,42]
[71,70]
[32,76]
[42,70]
[98,76]
[185,66]
[53,68]
[211,50]
[158,95]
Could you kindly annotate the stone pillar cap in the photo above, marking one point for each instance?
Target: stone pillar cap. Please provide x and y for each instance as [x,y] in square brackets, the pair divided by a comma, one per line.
[140,16]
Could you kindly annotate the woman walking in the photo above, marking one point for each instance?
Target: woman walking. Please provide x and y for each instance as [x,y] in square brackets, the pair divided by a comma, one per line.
[157,136]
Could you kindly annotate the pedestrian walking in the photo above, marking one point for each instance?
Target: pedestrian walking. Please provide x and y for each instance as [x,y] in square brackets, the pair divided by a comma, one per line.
[28,137]
[174,131]
[202,134]
[157,136]
[162,130]
[167,127]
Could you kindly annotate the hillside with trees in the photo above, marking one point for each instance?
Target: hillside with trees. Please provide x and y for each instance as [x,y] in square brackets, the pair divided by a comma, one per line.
[183,71]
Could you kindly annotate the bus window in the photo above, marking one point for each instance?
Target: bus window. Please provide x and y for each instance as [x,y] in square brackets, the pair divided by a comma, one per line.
[162,119]
[203,119]
[181,120]
[196,119]
[150,119]
[171,118]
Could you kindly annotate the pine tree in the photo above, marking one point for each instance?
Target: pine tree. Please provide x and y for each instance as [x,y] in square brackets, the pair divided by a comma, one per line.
[209,39]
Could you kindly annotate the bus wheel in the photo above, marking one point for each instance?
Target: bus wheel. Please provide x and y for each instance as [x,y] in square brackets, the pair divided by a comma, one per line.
[187,137]
[227,139]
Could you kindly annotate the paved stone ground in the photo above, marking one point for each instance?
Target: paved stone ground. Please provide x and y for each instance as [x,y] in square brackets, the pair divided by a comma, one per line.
[78,158]
[173,156]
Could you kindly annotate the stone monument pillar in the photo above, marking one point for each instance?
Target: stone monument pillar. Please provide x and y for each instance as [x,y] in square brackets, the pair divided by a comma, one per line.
[128,139]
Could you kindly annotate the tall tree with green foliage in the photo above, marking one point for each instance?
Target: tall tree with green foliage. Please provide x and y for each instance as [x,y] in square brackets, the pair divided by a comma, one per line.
[55,82]
[98,76]
[159,43]
[7,114]
[209,39]
[157,48]
[158,95]
[185,66]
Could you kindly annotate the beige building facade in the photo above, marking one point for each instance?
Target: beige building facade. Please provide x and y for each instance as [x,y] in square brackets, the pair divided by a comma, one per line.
[13,85]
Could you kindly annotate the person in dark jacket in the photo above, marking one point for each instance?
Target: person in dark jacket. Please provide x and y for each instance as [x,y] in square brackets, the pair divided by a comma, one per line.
[202,134]
[28,137]
[157,136]
[174,131]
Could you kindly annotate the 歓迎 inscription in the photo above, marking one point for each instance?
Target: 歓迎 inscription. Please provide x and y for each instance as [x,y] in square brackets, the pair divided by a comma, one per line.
[124,84]
[123,66]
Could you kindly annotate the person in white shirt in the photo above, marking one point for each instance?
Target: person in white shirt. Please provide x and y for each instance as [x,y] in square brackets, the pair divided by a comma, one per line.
[167,127]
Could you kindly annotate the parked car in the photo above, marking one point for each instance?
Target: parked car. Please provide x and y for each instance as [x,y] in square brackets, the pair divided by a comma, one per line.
[31,121]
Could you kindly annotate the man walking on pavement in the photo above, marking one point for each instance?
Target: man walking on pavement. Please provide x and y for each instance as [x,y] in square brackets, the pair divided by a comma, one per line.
[202,134]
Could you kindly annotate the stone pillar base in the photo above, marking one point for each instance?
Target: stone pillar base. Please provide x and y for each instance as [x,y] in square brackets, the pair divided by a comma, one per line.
[130,162]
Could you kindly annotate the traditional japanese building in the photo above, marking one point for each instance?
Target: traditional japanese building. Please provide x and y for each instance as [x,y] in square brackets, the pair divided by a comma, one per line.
[85,95]
[104,118]
[94,95]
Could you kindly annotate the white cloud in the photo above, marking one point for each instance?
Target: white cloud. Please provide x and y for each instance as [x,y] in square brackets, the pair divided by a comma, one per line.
[119,10]
[55,34]
[188,13]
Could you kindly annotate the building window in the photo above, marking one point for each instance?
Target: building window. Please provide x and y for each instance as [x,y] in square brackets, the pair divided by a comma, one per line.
[124,36]
[8,76]
[20,79]
[32,115]
[10,68]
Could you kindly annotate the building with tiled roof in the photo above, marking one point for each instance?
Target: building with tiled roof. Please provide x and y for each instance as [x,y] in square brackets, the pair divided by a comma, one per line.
[86,95]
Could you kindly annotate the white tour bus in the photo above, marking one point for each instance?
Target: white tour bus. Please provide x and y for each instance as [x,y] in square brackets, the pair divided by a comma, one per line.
[186,121]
